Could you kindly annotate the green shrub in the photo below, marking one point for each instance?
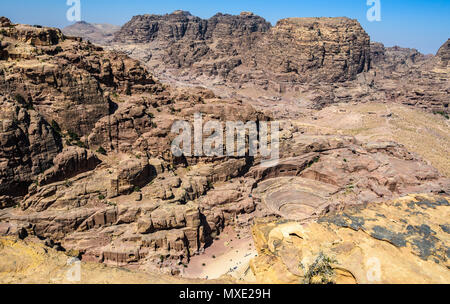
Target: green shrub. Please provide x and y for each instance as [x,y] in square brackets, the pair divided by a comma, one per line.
[101,150]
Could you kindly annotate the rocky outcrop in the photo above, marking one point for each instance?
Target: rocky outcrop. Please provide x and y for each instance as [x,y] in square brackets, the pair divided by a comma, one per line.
[246,47]
[32,262]
[69,163]
[444,53]
[96,33]
[158,212]
[406,76]
[310,62]
[317,49]
[132,202]
[401,241]
[66,80]
[182,25]
[28,146]
[320,174]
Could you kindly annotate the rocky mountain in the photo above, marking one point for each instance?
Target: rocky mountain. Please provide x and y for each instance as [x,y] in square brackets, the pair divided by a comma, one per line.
[86,163]
[407,76]
[240,48]
[444,53]
[94,32]
[299,62]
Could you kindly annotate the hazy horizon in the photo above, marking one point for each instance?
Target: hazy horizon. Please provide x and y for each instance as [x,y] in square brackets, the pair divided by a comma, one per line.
[423,25]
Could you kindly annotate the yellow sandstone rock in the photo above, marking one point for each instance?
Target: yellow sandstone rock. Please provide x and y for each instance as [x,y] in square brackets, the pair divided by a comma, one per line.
[402,241]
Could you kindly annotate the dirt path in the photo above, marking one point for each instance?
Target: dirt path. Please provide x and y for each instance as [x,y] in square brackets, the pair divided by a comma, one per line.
[230,255]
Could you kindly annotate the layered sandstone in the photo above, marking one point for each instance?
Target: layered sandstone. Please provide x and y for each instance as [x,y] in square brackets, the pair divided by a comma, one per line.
[28,146]
[299,62]
[246,47]
[66,80]
[87,138]
[95,33]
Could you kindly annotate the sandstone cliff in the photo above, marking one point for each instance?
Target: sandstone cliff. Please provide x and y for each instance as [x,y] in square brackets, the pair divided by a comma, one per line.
[95,33]
[307,62]
[247,48]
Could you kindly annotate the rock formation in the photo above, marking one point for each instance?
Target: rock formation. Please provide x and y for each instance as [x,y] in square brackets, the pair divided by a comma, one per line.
[28,146]
[308,62]
[30,261]
[378,243]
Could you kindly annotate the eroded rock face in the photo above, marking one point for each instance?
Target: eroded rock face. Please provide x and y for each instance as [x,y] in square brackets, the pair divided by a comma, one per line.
[182,25]
[401,241]
[336,171]
[406,76]
[28,147]
[444,53]
[66,80]
[40,264]
[318,49]
[142,206]
[177,214]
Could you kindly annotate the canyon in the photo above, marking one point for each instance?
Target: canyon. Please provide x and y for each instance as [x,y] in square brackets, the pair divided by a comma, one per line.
[87,171]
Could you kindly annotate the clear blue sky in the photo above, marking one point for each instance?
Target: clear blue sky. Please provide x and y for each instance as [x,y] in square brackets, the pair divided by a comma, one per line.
[424,24]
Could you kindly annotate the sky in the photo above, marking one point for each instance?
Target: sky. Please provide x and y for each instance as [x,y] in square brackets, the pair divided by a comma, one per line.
[424,25]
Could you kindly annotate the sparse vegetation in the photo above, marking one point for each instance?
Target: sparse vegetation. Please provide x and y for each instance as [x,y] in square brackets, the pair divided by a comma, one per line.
[442,113]
[320,272]
[101,197]
[101,150]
